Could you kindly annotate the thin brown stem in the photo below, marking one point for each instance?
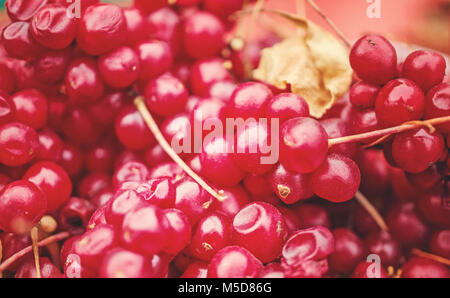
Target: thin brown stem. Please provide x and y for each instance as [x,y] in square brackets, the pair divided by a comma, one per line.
[153,126]
[433,257]
[34,240]
[388,131]
[373,212]
[28,249]
[330,23]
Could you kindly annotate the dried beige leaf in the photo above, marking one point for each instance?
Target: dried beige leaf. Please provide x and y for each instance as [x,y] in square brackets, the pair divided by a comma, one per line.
[314,64]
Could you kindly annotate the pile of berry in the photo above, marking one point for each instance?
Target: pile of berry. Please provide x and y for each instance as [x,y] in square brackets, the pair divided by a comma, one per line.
[78,158]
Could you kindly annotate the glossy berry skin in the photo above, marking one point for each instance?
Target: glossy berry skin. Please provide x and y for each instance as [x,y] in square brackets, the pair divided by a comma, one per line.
[144,230]
[349,251]
[21,207]
[124,202]
[166,95]
[374,59]
[92,184]
[131,129]
[399,101]
[23,10]
[100,158]
[433,208]
[222,90]
[18,144]
[205,72]
[309,244]
[212,233]
[122,263]
[6,108]
[71,159]
[130,171]
[179,231]
[155,57]
[196,269]
[237,198]
[50,66]
[289,186]
[251,152]
[74,269]
[363,121]
[375,172]
[192,200]
[218,165]
[415,150]
[425,68]
[234,262]
[286,106]
[363,95]
[105,110]
[83,81]
[249,100]
[136,26]
[312,215]
[406,225]
[427,179]
[165,25]
[437,104]
[206,114]
[258,185]
[30,108]
[303,145]
[93,245]
[158,191]
[47,270]
[102,28]
[75,214]
[337,179]
[258,223]
[440,243]
[203,35]
[419,267]
[385,246]
[53,181]
[120,67]
[18,42]
[52,28]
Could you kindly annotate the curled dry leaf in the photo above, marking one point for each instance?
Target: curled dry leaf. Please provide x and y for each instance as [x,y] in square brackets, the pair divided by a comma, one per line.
[314,64]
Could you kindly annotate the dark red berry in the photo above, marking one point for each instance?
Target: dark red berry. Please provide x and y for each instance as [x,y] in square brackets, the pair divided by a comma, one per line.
[425,68]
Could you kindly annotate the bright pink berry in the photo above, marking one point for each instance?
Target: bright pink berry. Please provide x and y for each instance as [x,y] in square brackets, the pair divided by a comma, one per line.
[30,108]
[303,145]
[119,68]
[179,231]
[122,263]
[18,42]
[425,68]
[374,59]
[289,186]
[131,129]
[205,72]
[155,57]
[130,171]
[234,262]
[19,144]
[337,179]
[250,100]
[136,26]
[165,25]
[192,200]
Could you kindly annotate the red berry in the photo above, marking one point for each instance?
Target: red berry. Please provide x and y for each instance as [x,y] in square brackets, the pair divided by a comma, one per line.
[52,180]
[102,28]
[363,95]
[122,263]
[303,145]
[286,106]
[19,144]
[155,57]
[223,8]
[290,187]
[365,270]
[203,35]
[236,199]
[258,185]
[71,159]
[312,215]
[437,104]
[260,223]
[166,95]
[30,108]
[21,207]
[440,243]
[337,179]
[234,262]
[23,10]
[415,150]
[349,251]
[337,128]
[419,267]
[7,80]
[222,90]
[385,246]
[165,25]
[205,72]
[47,270]
[130,171]
[249,100]
[148,6]
[120,67]
[374,59]
[6,108]
[75,214]
[123,203]
[218,165]
[433,208]
[179,231]
[136,26]
[53,28]
[80,128]
[144,230]
[83,81]
[425,68]
[196,269]
[50,66]
[131,129]
[92,184]
[401,100]
[18,42]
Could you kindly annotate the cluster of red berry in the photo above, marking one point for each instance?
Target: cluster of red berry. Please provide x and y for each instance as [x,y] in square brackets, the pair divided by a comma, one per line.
[74,148]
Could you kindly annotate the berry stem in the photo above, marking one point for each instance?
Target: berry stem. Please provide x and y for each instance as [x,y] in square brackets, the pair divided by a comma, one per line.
[34,240]
[330,23]
[367,205]
[153,126]
[26,250]
[48,224]
[388,131]
[433,257]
